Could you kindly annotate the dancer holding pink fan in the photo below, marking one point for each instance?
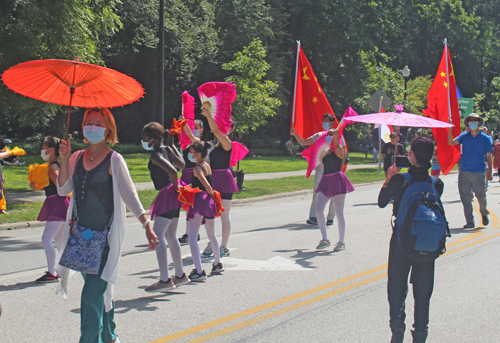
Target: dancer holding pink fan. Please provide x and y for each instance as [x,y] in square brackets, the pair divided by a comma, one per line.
[216,98]
[334,184]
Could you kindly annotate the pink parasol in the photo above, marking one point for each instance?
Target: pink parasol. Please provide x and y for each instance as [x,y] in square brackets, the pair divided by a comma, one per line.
[398,118]
[188,113]
[217,97]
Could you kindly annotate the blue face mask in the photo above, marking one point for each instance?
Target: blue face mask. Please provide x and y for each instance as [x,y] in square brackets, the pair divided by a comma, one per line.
[191,158]
[146,146]
[326,126]
[329,139]
[94,134]
[196,132]
[473,125]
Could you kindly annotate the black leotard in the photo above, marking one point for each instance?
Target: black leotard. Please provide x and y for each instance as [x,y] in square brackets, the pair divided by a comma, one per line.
[160,177]
[51,189]
[332,163]
[220,158]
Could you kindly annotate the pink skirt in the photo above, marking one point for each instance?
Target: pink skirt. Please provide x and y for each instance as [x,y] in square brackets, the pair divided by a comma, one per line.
[54,209]
[204,205]
[166,200]
[187,175]
[223,181]
[334,184]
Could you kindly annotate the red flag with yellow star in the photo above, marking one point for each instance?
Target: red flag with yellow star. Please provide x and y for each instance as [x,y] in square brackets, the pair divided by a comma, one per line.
[442,105]
[310,103]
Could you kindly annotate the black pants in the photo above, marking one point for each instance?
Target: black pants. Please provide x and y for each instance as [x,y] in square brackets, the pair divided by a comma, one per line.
[422,278]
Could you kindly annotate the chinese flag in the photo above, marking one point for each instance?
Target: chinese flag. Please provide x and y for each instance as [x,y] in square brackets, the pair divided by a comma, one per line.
[310,101]
[437,108]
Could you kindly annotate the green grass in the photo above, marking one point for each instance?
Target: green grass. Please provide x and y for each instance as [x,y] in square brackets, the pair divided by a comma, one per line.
[16,178]
[21,212]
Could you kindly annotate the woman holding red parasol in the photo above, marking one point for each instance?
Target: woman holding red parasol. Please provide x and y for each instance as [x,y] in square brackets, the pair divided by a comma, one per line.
[101,186]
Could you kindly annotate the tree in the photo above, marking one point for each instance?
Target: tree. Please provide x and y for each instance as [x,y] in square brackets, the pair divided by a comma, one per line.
[39,29]
[254,103]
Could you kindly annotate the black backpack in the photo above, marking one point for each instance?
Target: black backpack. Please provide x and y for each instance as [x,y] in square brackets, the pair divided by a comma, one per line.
[420,226]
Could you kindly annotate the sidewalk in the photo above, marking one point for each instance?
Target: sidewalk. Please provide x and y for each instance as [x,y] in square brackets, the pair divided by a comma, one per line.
[39,196]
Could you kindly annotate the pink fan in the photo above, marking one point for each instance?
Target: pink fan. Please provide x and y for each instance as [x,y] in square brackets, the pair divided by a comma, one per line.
[217,98]
[313,153]
[348,113]
[237,153]
[188,113]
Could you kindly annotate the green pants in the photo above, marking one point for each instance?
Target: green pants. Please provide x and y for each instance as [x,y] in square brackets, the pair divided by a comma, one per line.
[97,326]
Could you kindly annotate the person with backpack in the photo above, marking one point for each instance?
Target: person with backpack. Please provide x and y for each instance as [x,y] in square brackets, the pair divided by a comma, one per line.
[418,237]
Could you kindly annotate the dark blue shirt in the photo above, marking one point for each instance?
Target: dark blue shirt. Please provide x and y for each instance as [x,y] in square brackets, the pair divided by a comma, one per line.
[474,151]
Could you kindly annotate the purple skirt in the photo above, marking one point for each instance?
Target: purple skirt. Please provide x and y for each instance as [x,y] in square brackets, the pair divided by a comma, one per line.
[187,175]
[204,205]
[166,200]
[54,209]
[334,184]
[223,181]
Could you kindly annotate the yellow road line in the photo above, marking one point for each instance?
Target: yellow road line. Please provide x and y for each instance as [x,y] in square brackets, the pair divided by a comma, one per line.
[473,235]
[288,309]
[266,306]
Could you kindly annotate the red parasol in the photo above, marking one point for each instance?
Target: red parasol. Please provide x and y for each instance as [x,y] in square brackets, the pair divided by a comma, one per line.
[72,83]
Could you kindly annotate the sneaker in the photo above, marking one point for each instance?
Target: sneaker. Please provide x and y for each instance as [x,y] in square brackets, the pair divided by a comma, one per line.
[161,286]
[312,221]
[21,164]
[323,244]
[184,239]
[197,277]
[329,222]
[469,226]
[486,221]
[179,281]
[223,251]
[47,278]
[217,268]
[3,212]
[208,250]
[339,246]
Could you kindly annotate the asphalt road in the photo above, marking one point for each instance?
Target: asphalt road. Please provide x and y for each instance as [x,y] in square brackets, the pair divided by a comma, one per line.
[276,287]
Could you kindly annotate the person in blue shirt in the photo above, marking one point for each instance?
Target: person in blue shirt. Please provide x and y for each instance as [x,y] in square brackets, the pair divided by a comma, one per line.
[476,147]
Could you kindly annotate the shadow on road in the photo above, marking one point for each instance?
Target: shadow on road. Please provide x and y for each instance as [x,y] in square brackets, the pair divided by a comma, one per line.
[302,256]
[12,244]
[20,286]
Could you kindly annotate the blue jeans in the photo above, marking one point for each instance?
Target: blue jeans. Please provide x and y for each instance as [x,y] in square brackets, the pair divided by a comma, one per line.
[469,182]
[97,326]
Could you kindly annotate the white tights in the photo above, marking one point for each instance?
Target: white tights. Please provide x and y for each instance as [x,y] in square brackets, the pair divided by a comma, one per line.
[226,223]
[167,228]
[194,228]
[49,234]
[339,201]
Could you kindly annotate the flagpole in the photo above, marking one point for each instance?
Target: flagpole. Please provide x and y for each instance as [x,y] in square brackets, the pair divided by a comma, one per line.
[380,134]
[295,87]
[447,79]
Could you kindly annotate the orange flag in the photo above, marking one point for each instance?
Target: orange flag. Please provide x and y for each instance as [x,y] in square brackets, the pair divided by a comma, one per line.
[441,105]
[310,103]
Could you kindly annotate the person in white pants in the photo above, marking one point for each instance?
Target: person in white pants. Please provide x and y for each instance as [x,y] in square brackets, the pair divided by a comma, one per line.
[328,123]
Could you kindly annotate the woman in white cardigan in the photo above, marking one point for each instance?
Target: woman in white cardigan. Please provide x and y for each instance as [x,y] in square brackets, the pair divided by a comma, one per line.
[101,186]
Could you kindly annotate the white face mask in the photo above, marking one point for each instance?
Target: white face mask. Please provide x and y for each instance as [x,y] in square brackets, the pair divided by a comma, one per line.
[146,146]
[45,157]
